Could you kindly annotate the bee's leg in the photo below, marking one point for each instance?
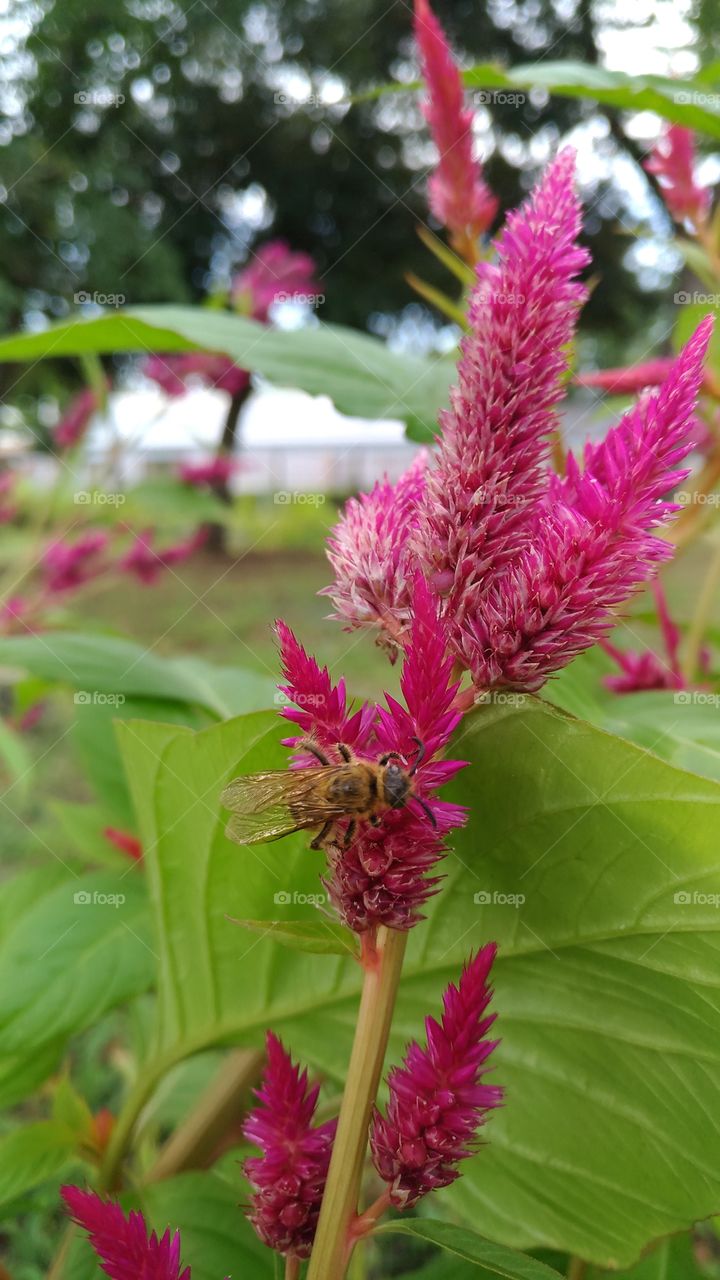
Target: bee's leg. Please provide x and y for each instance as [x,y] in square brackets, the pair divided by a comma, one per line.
[349,834]
[419,757]
[314,750]
[428,811]
[322,836]
[374,820]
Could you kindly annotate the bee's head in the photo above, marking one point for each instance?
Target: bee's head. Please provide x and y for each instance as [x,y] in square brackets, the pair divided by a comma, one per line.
[396,785]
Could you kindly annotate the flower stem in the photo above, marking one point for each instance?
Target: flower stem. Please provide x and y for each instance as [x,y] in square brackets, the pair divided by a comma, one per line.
[292,1267]
[696,634]
[333,1240]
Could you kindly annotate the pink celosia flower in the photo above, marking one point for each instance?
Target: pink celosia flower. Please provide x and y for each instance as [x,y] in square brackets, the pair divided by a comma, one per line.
[479,495]
[66,565]
[673,163]
[276,274]
[370,550]
[437,1098]
[592,544]
[630,380]
[147,563]
[213,472]
[172,372]
[288,1180]
[382,876]
[457,194]
[641,671]
[124,1248]
[76,419]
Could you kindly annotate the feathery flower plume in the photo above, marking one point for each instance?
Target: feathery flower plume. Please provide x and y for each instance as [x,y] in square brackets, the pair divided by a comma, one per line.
[457,194]
[276,274]
[370,550]
[288,1179]
[67,565]
[592,544]
[382,877]
[146,563]
[478,505]
[673,163]
[124,1248]
[437,1098]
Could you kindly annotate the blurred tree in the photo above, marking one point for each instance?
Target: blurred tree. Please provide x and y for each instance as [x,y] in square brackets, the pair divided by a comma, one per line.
[147,146]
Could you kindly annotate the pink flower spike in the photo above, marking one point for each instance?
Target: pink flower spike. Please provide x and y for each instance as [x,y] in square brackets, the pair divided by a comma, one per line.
[76,419]
[630,380]
[211,473]
[67,565]
[320,708]
[371,552]
[288,1180]
[458,196]
[480,496]
[146,563]
[276,274]
[673,163]
[173,372]
[438,1100]
[124,1248]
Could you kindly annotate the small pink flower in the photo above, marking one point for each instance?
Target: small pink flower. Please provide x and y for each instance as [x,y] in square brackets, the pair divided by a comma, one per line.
[125,1249]
[67,565]
[76,419]
[125,842]
[458,196]
[173,372]
[383,875]
[146,563]
[211,473]
[288,1179]
[371,551]
[642,671]
[438,1100]
[673,163]
[276,273]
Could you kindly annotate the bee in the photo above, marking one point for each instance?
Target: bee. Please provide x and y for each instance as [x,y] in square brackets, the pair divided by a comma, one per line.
[268,806]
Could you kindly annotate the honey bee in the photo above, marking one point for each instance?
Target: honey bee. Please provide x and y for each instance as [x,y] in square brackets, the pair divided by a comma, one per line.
[268,806]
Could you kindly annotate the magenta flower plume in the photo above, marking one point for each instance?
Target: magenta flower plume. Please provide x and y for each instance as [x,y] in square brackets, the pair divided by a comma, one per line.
[277,273]
[457,194]
[593,543]
[68,564]
[371,551]
[146,563]
[628,380]
[490,468]
[173,372]
[673,163]
[383,876]
[438,1100]
[288,1179]
[211,473]
[125,1250]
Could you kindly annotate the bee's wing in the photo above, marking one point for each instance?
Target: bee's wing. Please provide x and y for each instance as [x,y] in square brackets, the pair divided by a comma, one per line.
[268,806]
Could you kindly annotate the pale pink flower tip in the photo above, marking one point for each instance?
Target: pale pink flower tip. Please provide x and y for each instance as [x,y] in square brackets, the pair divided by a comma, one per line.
[121,1241]
[673,163]
[438,1100]
[458,196]
[371,551]
[288,1180]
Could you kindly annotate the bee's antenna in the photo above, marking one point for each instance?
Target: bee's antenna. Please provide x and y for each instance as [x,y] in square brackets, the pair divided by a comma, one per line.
[419,757]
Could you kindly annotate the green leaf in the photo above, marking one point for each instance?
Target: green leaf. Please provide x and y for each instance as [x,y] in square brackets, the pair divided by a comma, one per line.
[32,1155]
[608,988]
[488,1259]
[70,1109]
[359,373]
[217,1239]
[107,670]
[325,938]
[21,1074]
[683,101]
[78,950]
[672,1260]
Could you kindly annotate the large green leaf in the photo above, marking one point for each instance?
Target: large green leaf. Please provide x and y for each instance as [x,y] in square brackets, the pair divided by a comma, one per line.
[106,670]
[82,947]
[488,1259]
[359,373]
[684,101]
[590,861]
[32,1155]
[672,1260]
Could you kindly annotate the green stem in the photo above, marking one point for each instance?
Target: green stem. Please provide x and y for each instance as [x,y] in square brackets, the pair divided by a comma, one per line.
[576,1269]
[333,1239]
[699,623]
